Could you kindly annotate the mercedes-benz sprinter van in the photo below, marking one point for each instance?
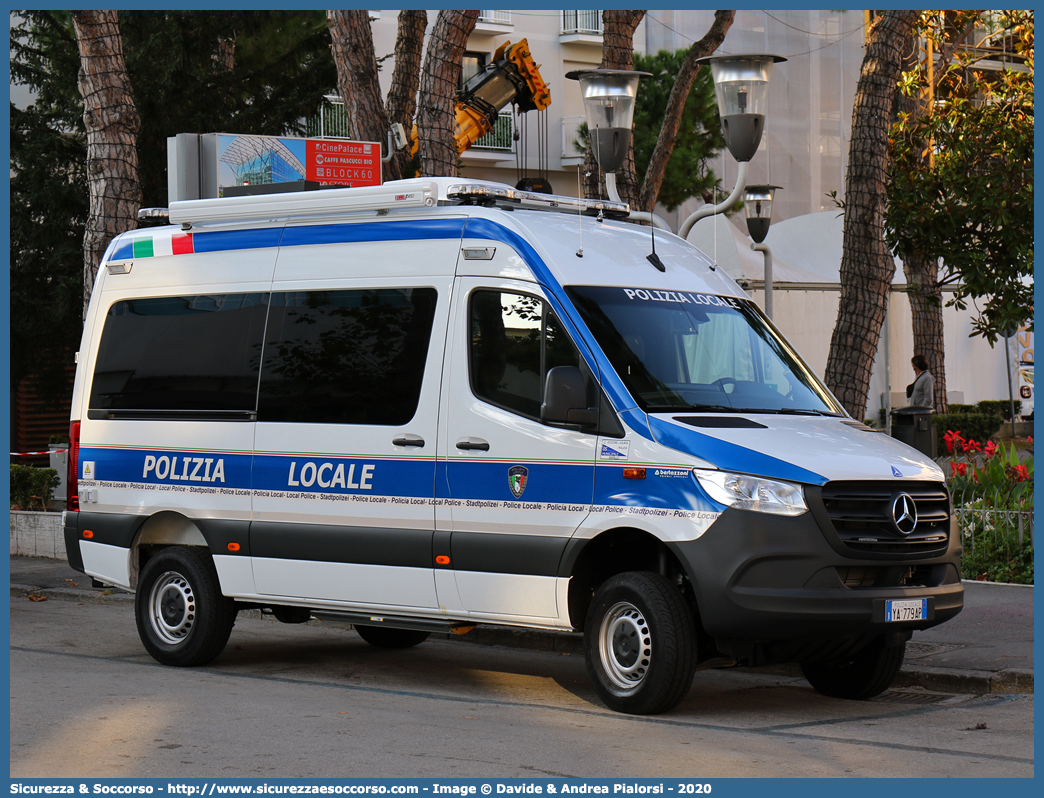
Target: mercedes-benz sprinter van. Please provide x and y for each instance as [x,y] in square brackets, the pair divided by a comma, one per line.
[438,403]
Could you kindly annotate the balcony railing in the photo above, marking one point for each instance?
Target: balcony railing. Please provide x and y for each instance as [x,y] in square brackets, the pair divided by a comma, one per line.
[571,147]
[502,137]
[495,17]
[331,121]
[582,21]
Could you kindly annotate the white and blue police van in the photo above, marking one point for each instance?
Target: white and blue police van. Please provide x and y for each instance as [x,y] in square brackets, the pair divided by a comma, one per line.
[438,403]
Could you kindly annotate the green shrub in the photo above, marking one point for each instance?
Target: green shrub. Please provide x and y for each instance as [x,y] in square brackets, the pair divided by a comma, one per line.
[972,426]
[32,488]
[953,407]
[1000,407]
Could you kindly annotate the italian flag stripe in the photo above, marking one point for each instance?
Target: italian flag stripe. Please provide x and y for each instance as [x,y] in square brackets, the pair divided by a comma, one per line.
[161,246]
[181,244]
[171,244]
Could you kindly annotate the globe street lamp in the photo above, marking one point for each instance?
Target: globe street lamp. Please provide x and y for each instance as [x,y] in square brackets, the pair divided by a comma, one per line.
[757,202]
[741,88]
[609,99]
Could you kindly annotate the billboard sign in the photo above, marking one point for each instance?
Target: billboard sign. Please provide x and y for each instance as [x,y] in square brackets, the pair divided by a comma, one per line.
[343,163]
[201,166]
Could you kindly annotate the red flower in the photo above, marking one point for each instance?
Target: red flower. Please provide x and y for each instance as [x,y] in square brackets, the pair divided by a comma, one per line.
[1020,473]
[972,446]
[991,449]
[951,439]
[959,469]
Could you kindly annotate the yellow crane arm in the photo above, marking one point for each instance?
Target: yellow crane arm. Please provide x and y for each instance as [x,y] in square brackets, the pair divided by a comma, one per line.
[512,77]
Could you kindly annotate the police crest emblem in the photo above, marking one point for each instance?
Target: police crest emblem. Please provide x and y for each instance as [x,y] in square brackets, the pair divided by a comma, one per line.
[518,476]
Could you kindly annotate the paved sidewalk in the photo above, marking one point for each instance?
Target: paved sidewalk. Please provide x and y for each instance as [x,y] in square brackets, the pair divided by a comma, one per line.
[988,648]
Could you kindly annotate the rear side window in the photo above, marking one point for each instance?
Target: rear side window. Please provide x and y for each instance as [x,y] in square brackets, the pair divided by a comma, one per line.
[189,353]
[515,339]
[346,357]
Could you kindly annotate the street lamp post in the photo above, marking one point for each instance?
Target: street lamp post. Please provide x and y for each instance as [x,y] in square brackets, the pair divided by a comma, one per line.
[757,202]
[741,88]
[609,99]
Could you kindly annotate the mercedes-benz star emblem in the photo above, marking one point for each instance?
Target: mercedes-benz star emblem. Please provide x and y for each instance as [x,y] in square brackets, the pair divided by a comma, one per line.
[904,514]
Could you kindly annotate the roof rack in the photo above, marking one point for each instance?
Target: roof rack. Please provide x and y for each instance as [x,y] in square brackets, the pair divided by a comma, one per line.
[261,207]
[414,193]
[505,196]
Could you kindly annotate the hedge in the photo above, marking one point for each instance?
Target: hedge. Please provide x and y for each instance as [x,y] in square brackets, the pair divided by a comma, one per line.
[32,487]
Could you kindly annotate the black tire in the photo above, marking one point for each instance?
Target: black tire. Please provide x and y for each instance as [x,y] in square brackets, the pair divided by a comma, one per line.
[640,644]
[182,617]
[386,637]
[868,672]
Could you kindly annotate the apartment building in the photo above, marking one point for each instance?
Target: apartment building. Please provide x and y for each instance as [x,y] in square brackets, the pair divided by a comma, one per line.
[805,146]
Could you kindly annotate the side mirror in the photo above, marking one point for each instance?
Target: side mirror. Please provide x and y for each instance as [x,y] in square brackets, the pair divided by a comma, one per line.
[565,398]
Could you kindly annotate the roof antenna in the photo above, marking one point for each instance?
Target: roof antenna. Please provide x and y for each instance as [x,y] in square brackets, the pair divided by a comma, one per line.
[580,212]
[653,258]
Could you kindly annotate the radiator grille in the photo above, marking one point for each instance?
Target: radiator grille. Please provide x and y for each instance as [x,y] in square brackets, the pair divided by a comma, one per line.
[862,516]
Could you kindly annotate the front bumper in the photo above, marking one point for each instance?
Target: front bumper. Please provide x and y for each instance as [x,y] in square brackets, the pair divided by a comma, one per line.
[764,577]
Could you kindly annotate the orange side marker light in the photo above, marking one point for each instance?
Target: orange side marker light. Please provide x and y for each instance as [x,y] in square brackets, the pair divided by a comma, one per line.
[442,559]
[233,547]
[88,534]
[634,473]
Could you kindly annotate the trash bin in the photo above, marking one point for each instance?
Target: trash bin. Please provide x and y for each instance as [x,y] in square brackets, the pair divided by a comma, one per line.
[913,426]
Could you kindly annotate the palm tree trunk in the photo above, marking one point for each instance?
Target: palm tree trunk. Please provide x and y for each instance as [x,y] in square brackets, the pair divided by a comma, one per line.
[112,124]
[436,119]
[402,95]
[926,307]
[357,80]
[867,266]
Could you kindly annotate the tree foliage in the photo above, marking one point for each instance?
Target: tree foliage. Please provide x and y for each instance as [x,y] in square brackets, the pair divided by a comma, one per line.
[700,138]
[191,72]
[48,202]
[971,202]
[259,72]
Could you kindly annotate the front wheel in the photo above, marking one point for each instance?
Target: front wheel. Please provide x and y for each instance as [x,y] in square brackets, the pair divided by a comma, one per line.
[183,619]
[639,644]
[869,672]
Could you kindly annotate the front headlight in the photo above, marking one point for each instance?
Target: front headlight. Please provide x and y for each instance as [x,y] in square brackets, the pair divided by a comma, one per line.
[752,493]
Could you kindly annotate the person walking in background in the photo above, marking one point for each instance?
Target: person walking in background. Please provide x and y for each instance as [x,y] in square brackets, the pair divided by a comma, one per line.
[921,392]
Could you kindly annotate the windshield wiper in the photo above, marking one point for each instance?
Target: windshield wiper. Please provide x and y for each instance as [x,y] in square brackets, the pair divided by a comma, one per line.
[718,409]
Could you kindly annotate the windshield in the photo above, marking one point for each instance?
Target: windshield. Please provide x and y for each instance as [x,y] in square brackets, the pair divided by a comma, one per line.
[685,351]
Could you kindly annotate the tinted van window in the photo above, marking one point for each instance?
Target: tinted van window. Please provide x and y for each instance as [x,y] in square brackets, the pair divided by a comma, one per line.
[180,353]
[515,340]
[346,357]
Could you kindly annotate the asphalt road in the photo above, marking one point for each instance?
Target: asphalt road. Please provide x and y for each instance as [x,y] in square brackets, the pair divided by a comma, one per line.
[315,700]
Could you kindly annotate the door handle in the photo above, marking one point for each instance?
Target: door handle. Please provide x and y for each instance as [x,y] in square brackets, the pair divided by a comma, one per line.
[409,440]
[473,444]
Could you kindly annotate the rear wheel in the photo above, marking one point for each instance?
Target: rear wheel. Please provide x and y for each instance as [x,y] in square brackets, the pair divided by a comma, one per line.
[640,644]
[868,672]
[385,637]
[182,617]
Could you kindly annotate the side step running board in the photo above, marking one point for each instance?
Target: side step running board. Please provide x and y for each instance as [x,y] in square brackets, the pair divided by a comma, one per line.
[395,622]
